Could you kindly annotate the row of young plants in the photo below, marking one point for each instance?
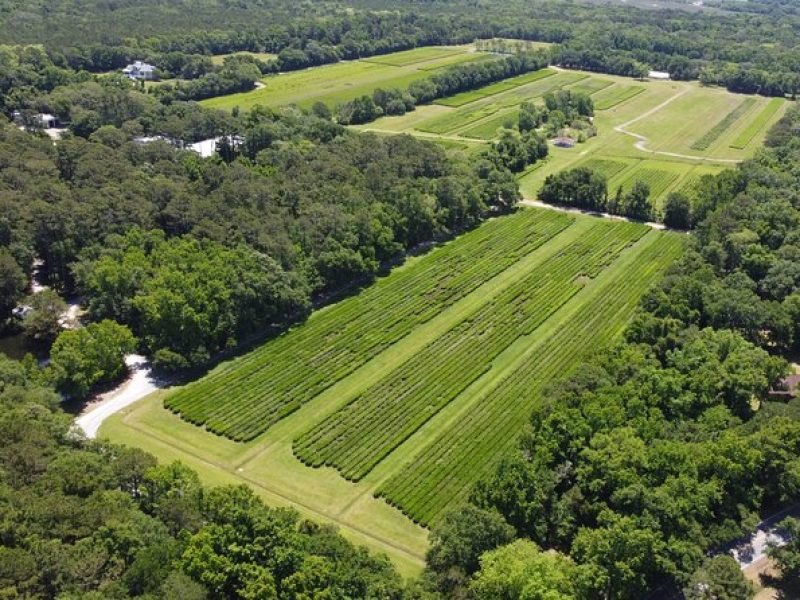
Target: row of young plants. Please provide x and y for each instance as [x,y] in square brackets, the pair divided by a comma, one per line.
[243,397]
[443,474]
[713,134]
[361,434]
[657,180]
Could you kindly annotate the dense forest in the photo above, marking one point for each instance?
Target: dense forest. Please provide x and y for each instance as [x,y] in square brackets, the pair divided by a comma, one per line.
[93,520]
[300,209]
[747,50]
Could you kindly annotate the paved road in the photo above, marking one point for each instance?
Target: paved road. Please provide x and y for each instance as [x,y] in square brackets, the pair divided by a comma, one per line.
[767,533]
[139,384]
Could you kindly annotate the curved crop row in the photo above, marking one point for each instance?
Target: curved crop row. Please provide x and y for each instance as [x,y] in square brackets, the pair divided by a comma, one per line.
[358,436]
[444,472]
[243,397]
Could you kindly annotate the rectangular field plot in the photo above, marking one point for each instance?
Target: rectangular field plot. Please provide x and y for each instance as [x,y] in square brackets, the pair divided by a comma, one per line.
[457,119]
[512,97]
[344,81]
[616,95]
[472,95]
[244,397]
[364,432]
[607,167]
[658,180]
[442,473]
[591,86]
[494,88]
[416,55]
[488,129]
[713,134]
[758,123]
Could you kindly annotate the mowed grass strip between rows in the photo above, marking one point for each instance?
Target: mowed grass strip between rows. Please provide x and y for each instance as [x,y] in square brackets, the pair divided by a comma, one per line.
[361,434]
[757,124]
[713,134]
[240,399]
[443,473]
[616,95]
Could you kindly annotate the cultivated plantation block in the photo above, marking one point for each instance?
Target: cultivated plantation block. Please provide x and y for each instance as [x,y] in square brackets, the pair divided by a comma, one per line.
[413,388]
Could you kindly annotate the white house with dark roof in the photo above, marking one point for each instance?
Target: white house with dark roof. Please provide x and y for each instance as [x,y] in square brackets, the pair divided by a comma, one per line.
[140,71]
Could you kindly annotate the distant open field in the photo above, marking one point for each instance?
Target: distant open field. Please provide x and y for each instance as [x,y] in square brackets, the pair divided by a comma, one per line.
[218,59]
[691,130]
[462,339]
[343,81]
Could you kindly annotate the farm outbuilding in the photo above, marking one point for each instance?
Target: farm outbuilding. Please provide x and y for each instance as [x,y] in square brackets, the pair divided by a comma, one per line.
[564,142]
[661,75]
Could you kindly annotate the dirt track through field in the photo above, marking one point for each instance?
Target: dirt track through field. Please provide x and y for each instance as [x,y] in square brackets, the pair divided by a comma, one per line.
[641,143]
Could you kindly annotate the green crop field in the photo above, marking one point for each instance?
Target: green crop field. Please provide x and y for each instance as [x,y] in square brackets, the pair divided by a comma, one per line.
[591,86]
[608,168]
[656,179]
[416,55]
[757,124]
[270,383]
[487,130]
[494,88]
[369,385]
[445,470]
[713,134]
[616,95]
[364,432]
[344,81]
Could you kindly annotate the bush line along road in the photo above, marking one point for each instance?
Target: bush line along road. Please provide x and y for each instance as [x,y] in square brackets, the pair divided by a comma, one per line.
[568,283]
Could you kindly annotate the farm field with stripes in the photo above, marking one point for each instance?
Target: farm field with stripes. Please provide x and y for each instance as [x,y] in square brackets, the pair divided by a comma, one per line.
[384,409]
[690,130]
